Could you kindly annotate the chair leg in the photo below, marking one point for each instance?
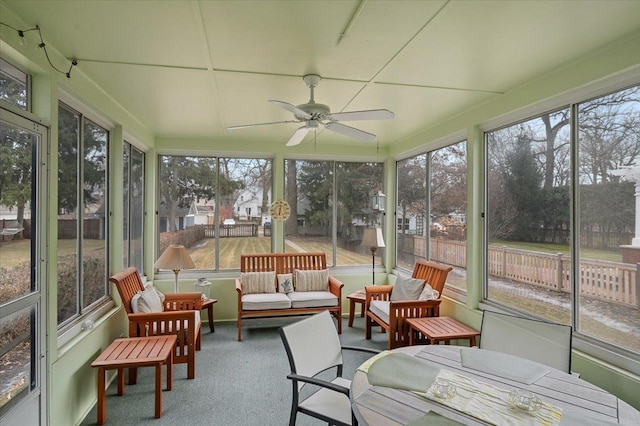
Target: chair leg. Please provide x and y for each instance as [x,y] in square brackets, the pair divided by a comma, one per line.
[199,340]
[367,323]
[239,328]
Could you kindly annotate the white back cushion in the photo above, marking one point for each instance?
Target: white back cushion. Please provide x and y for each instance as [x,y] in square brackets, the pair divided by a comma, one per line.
[407,288]
[146,301]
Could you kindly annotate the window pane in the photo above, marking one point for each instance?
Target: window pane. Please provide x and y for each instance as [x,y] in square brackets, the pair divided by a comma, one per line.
[68,142]
[136,209]
[188,206]
[245,196]
[411,211]
[126,182]
[17,149]
[356,184]
[309,192]
[527,218]
[13,85]
[609,146]
[448,211]
[95,215]
[17,357]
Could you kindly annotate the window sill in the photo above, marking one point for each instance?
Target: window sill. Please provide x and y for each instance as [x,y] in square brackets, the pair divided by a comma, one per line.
[84,324]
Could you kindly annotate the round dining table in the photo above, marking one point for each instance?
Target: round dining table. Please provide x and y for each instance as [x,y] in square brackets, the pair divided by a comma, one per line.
[575,401]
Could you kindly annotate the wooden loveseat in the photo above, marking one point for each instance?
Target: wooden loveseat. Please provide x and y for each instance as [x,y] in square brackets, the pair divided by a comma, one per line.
[276,303]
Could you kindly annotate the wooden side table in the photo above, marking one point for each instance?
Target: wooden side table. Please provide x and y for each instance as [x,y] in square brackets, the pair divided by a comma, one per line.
[208,305]
[135,352]
[441,329]
[356,297]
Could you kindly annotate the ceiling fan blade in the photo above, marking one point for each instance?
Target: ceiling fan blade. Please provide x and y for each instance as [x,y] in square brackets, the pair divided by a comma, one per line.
[372,114]
[297,137]
[292,108]
[244,126]
[352,132]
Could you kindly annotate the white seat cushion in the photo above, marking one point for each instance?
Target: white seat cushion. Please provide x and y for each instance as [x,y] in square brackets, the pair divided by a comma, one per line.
[312,299]
[260,301]
[381,309]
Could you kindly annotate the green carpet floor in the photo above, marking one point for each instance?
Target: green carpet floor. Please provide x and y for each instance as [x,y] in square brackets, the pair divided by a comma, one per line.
[236,384]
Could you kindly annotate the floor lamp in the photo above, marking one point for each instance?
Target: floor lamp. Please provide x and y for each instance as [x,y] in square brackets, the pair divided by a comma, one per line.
[176,258]
[373,239]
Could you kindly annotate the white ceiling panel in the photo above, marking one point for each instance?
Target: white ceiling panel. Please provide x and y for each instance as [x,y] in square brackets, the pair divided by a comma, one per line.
[190,69]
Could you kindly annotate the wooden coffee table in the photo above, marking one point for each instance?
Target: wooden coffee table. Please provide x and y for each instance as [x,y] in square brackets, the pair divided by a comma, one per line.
[135,352]
[208,305]
[356,297]
[441,329]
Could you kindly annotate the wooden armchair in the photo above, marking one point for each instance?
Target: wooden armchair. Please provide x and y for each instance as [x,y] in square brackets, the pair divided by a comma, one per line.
[180,316]
[434,274]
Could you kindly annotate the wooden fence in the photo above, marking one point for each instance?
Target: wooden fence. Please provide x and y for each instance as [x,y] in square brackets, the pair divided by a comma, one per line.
[609,281]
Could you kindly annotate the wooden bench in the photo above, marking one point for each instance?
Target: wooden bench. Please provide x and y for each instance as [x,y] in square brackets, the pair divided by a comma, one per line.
[287,263]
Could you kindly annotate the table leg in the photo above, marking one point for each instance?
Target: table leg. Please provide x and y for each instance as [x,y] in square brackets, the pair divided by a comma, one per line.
[352,308]
[158,390]
[210,317]
[411,336]
[170,371]
[473,341]
[102,398]
[120,379]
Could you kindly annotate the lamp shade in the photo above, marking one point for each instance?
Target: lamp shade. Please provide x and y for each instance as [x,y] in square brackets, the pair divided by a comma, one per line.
[176,258]
[372,237]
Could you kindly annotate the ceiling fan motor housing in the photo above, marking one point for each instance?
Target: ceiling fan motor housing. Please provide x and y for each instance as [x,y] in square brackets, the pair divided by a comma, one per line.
[316,111]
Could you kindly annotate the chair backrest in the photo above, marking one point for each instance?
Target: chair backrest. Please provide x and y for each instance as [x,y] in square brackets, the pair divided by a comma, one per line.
[283,263]
[128,283]
[312,345]
[433,273]
[544,342]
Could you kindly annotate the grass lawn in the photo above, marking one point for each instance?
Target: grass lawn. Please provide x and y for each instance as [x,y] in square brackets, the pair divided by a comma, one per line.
[16,252]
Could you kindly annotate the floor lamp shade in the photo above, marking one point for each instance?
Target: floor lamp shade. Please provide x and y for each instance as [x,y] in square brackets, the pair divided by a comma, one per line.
[373,239]
[175,258]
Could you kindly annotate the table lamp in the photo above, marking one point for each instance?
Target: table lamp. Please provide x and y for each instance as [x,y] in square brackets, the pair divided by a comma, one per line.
[176,258]
[373,239]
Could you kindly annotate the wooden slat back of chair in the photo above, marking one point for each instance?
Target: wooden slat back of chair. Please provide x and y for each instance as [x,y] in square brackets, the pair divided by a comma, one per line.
[283,263]
[288,262]
[128,283]
[433,273]
[257,262]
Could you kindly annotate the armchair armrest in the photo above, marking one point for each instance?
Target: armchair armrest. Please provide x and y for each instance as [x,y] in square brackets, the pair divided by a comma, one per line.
[183,301]
[239,286]
[361,349]
[377,292]
[335,286]
[319,382]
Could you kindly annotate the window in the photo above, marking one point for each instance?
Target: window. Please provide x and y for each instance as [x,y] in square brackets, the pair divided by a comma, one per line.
[448,211]
[82,214]
[22,302]
[330,208]
[530,266]
[431,210]
[199,207]
[608,173]
[133,212]
[411,202]
[14,87]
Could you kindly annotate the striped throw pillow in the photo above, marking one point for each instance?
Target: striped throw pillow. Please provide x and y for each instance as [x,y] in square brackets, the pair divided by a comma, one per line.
[312,280]
[258,282]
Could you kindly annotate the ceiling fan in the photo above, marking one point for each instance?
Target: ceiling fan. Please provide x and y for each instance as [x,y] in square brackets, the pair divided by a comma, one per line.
[313,115]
